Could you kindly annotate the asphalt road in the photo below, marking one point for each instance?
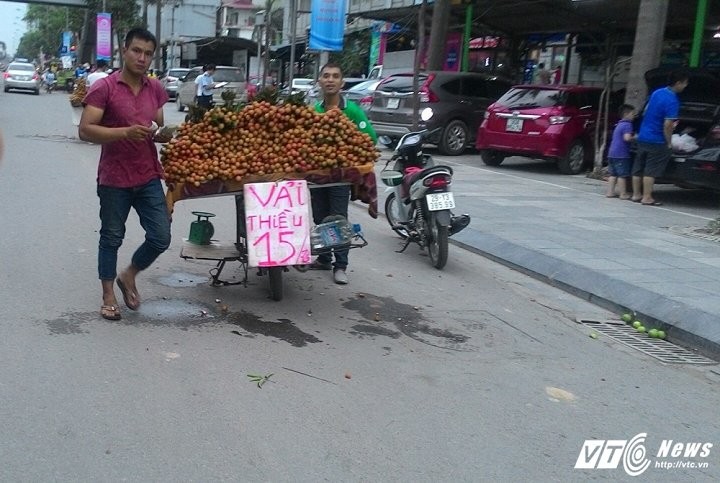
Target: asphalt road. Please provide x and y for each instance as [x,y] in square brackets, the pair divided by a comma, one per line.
[473,373]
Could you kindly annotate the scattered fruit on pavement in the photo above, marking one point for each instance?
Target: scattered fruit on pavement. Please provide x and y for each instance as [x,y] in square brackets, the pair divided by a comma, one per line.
[640,328]
[627,318]
[636,324]
[653,333]
[661,334]
[593,335]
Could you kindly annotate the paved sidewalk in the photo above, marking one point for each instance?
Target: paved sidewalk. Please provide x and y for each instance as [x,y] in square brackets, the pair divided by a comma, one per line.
[618,254]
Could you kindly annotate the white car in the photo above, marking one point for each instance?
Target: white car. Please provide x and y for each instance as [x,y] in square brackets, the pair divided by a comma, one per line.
[301,85]
[22,76]
[232,79]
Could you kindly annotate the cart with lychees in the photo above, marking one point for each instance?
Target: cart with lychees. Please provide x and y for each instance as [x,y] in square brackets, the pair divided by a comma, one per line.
[225,150]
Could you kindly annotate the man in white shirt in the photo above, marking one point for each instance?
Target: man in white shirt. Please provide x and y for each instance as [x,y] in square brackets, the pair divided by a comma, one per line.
[99,73]
[205,85]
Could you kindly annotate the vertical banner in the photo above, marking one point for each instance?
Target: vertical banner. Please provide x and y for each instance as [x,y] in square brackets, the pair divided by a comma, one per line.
[65,43]
[374,48]
[277,221]
[453,47]
[327,20]
[104,36]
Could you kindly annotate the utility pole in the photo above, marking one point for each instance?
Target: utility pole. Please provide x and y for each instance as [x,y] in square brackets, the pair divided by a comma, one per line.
[158,11]
[266,58]
[649,35]
[293,39]
[418,60]
[438,34]
[696,48]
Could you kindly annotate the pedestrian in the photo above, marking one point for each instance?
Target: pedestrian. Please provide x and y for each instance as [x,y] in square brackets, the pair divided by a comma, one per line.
[334,200]
[100,72]
[122,113]
[556,75]
[619,160]
[205,85]
[80,71]
[543,75]
[655,138]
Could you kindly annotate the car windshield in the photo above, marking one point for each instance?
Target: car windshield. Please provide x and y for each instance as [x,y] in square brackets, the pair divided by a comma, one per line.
[228,75]
[177,72]
[363,86]
[529,98]
[401,83]
[28,67]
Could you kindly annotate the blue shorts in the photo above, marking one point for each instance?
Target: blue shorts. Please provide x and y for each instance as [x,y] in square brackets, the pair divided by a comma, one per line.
[619,167]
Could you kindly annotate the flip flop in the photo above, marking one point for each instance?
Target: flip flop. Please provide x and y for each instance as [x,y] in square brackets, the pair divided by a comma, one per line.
[654,203]
[126,295]
[110,312]
[635,200]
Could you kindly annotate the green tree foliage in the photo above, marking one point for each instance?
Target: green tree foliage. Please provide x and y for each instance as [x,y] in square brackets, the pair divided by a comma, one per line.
[46,24]
[354,57]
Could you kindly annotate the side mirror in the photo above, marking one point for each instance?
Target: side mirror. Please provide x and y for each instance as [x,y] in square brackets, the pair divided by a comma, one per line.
[385,140]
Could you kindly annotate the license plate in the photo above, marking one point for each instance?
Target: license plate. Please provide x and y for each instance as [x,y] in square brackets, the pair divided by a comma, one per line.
[514,125]
[393,103]
[440,201]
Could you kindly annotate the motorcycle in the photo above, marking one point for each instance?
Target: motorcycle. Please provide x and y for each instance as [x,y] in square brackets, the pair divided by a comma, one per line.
[50,85]
[419,206]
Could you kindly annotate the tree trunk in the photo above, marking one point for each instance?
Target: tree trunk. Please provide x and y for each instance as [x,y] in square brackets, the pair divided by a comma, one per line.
[649,35]
[158,50]
[144,13]
[438,35]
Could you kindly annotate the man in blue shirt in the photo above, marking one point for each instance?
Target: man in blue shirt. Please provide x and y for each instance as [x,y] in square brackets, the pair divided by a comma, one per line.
[654,139]
[204,87]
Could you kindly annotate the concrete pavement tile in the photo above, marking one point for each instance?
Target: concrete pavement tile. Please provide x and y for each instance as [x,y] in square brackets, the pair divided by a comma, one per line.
[677,261]
[711,273]
[674,290]
[602,264]
[641,263]
[658,275]
[568,254]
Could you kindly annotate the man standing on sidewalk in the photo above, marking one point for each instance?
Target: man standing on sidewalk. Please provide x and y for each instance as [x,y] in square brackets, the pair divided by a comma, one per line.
[655,138]
[334,200]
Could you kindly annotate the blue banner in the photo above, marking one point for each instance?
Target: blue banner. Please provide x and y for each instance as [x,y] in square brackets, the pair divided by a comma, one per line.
[65,43]
[327,24]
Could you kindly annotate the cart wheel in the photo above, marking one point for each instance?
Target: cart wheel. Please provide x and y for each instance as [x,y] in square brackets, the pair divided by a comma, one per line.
[276,287]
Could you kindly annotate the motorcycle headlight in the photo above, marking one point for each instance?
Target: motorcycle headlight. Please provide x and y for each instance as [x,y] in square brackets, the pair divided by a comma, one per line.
[410,140]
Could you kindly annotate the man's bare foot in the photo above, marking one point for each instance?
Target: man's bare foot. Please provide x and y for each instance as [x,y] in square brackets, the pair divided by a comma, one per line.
[126,283]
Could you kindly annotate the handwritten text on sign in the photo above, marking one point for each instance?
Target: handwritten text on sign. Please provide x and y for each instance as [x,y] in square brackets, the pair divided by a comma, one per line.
[277,220]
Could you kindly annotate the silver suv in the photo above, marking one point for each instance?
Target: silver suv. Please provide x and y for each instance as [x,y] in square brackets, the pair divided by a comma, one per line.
[22,76]
[458,101]
[232,79]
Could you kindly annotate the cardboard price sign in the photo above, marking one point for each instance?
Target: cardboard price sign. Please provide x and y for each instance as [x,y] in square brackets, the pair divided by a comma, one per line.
[278,222]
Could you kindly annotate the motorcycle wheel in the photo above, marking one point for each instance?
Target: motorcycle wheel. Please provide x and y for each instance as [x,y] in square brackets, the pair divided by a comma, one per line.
[437,242]
[392,214]
[276,287]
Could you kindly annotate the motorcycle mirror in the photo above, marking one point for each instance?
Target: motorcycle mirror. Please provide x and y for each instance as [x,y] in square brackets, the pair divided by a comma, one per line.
[385,140]
[426,114]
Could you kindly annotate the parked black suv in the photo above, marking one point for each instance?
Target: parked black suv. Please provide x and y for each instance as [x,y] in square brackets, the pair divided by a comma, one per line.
[696,164]
[458,101]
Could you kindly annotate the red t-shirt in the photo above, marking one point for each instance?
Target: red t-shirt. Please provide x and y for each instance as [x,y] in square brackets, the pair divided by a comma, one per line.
[126,163]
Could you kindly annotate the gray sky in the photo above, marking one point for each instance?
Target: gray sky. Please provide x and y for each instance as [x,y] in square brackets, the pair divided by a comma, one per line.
[11,25]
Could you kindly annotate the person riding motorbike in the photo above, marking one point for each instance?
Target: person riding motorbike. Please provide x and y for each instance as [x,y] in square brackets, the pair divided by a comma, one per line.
[50,80]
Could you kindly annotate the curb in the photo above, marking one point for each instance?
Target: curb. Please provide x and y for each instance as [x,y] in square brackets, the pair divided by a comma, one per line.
[685,325]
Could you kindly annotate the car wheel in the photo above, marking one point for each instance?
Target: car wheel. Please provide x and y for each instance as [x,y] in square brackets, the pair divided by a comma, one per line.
[179,105]
[7,89]
[454,138]
[36,92]
[491,157]
[574,160]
